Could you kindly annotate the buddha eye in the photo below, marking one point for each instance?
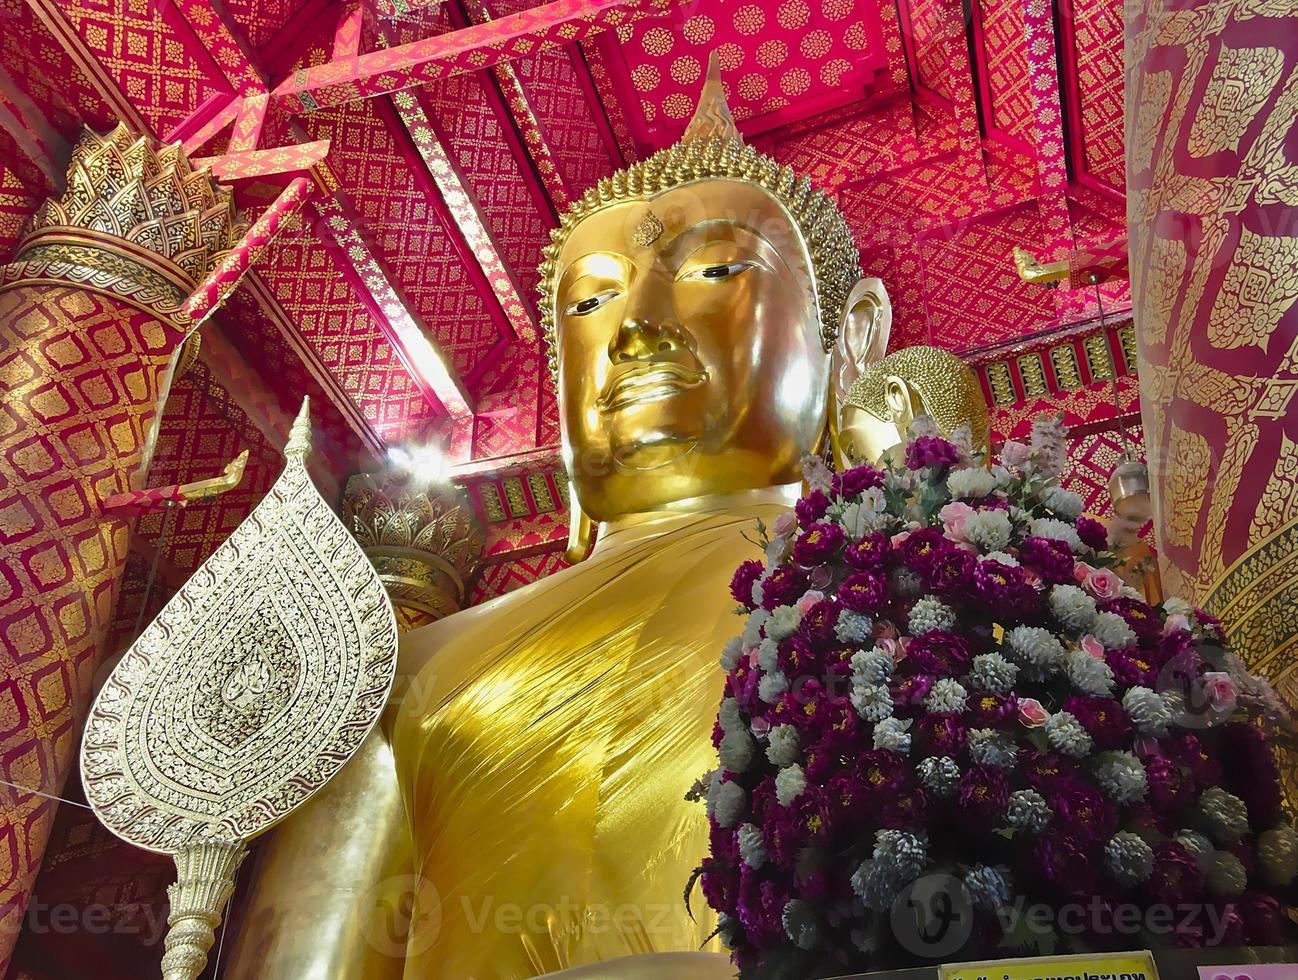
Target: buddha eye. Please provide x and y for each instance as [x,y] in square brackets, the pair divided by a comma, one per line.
[723,270]
[590,304]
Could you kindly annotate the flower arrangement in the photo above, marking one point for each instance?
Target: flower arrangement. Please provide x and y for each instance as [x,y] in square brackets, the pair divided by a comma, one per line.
[941,674]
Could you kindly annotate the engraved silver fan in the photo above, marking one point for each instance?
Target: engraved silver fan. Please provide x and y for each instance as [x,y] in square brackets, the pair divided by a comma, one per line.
[254,685]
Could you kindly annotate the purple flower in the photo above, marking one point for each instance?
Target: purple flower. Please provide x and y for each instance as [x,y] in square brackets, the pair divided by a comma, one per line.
[993,710]
[922,546]
[983,794]
[1140,616]
[1252,774]
[1132,668]
[1187,750]
[1050,558]
[1092,532]
[1168,789]
[856,480]
[870,553]
[1103,719]
[818,624]
[1064,864]
[906,809]
[1003,588]
[1176,876]
[1046,771]
[940,653]
[908,693]
[931,451]
[882,772]
[1083,811]
[942,734]
[741,583]
[864,592]
[1264,922]
[783,587]
[720,880]
[818,543]
[950,571]
[812,507]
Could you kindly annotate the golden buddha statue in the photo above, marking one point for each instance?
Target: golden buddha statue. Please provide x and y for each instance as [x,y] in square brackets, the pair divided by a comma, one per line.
[544,742]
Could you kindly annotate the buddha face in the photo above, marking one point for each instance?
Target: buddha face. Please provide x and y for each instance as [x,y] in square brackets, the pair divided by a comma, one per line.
[865,437]
[690,360]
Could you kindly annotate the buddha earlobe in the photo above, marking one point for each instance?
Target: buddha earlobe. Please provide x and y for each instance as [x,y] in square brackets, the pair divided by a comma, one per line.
[862,334]
[579,529]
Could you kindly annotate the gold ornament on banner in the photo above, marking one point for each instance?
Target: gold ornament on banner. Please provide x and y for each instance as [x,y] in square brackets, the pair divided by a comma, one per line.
[252,688]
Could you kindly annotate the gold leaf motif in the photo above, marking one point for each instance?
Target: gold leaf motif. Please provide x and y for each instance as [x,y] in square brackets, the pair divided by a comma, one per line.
[1259,287]
[1242,81]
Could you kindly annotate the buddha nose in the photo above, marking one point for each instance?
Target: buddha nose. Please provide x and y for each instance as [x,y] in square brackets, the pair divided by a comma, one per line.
[639,339]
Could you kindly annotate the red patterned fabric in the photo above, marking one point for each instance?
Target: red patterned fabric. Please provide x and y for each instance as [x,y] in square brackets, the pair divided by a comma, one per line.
[80,373]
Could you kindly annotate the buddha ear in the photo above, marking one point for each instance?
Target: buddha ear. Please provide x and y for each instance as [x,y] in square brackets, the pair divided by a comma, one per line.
[862,334]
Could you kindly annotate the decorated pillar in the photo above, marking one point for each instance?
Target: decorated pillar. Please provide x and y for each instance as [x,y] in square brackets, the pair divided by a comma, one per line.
[332,870]
[90,316]
[1212,183]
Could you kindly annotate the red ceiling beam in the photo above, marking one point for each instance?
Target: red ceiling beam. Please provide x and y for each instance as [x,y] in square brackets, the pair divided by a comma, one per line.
[469,49]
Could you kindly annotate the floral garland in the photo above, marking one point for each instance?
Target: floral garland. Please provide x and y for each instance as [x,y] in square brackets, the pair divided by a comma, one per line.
[940,674]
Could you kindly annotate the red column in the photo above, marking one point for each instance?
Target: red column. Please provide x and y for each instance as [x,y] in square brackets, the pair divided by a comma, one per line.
[1212,183]
[89,320]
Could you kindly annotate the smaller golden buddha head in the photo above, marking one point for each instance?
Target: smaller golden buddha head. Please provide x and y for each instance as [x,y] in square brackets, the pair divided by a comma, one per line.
[690,302]
[883,401]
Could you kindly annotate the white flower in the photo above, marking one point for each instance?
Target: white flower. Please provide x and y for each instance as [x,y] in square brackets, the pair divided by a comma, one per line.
[801,924]
[1226,874]
[732,720]
[1066,734]
[989,888]
[771,686]
[853,627]
[752,629]
[782,745]
[783,622]
[1028,811]
[899,859]
[988,747]
[930,613]
[775,549]
[1003,558]
[1277,849]
[1003,476]
[1064,503]
[768,655]
[970,483]
[871,667]
[752,849]
[1176,606]
[893,734]
[1128,858]
[1049,527]
[756,594]
[989,529]
[727,802]
[872,701]
[860,519]
[939,774]
[1147,711]
[1036,646]
[946,697]
[1088,674]
[1226,814]
[992,673]
[1198,845]
[730,654]
[1122,776]
[1112,631]
[1071,606]
[736,750]
[789,784]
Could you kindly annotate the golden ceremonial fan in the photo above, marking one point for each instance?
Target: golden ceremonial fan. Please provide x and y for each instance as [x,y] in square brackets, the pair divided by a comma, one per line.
[254,685]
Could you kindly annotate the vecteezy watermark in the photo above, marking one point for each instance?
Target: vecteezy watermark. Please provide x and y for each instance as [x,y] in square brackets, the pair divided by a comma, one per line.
[141,919]
[933,918]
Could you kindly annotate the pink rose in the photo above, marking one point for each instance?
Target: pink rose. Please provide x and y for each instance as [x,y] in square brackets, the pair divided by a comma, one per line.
[809,599]
[760,726]
[1092,646]
[893,648]
[1220,689]
[899,538]
[1015,453]
[1031,713]
[1033,579]
[1175,623]
[1080,571]
[955,516]
[1103,583]
[884,630]
[785,524]
[750,654]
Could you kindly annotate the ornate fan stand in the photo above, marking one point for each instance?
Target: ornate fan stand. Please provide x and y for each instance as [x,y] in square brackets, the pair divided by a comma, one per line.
[254,685]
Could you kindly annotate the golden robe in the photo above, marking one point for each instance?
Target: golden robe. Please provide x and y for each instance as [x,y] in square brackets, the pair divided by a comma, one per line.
[546,744]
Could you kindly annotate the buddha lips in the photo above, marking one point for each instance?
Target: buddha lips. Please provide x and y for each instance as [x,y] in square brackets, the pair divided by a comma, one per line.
[907,699]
